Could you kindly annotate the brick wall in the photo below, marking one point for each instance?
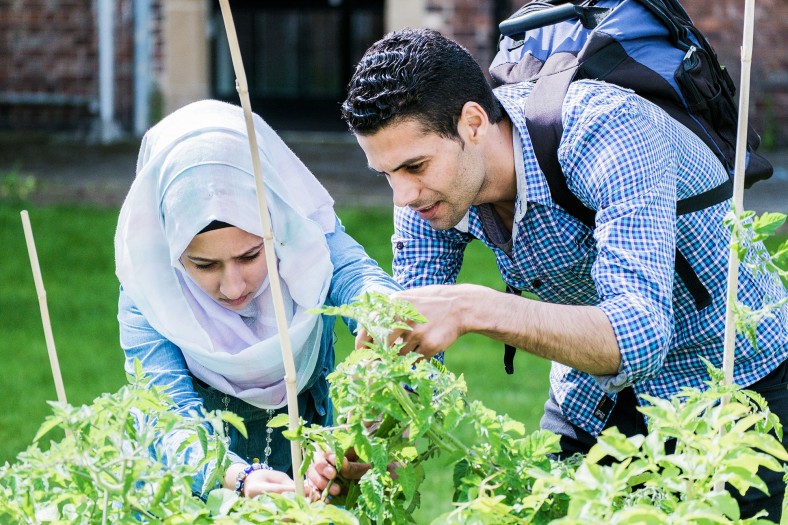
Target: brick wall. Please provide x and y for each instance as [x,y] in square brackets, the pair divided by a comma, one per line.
[49,64]
[49,67]
[720,20]
[469,22]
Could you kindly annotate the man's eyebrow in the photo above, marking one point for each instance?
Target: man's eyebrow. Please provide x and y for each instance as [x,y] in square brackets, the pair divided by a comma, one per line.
[403,164]
[381,173]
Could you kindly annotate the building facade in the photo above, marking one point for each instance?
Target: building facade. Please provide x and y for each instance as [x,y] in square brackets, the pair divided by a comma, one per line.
[97,67]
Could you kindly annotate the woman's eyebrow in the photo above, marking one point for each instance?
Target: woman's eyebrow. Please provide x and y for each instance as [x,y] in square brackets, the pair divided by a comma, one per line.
[252,250]
[196,258]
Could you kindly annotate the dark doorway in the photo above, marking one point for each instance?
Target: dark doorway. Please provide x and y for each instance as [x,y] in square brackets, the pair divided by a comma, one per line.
[298,56]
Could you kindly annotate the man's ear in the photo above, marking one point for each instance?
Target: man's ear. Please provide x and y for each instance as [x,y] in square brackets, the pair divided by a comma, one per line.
[473,122]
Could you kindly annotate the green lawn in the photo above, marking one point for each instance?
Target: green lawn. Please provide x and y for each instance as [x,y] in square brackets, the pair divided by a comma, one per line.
[76,255]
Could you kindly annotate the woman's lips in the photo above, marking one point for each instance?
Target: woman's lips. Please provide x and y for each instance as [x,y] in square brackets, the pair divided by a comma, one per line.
[236,302]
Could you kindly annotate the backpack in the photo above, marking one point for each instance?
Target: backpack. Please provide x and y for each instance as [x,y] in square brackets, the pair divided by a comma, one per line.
[649,46]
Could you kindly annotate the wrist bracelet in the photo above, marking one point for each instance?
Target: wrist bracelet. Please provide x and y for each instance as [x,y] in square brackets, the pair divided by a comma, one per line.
[241,478]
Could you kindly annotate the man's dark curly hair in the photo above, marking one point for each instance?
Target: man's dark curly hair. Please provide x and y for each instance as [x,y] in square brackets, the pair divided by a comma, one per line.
[420,74]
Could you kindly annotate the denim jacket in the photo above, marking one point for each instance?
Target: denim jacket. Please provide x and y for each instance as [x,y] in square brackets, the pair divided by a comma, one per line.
[354,273]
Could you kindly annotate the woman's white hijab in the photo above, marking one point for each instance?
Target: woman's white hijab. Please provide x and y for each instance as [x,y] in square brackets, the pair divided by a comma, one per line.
[195,167]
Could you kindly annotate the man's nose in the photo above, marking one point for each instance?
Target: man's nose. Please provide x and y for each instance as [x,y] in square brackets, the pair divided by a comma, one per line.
[405,189]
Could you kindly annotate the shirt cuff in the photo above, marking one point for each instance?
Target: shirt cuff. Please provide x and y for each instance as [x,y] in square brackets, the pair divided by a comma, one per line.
[613,383]
[642,338]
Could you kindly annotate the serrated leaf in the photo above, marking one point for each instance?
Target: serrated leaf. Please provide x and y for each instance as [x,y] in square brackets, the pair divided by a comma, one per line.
[279,420]
[407,481]
[236,421]
[768,223]
[50,423]
[221,501]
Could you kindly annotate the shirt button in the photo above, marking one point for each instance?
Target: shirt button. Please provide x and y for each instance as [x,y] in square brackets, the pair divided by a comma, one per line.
[400,245]
[536,283]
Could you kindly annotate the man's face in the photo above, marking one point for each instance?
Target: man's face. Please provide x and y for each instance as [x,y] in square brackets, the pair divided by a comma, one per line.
[439,178]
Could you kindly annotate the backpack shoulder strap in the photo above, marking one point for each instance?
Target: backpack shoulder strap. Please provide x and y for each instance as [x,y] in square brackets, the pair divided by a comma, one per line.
[543,121]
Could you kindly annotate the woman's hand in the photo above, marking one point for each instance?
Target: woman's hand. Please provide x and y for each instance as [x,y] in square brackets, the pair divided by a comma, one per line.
[258,481]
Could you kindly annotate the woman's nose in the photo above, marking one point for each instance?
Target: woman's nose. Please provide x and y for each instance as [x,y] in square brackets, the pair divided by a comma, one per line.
[232,285]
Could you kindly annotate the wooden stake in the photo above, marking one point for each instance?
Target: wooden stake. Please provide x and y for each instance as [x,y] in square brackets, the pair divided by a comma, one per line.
[42,303]
[737,203]
[268,239]
[738,186]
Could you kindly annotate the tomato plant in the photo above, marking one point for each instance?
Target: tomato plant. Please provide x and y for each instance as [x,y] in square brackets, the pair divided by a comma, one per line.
[397,412]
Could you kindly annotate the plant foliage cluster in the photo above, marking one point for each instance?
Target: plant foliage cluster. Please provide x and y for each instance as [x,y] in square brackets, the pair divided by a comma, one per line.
[396,412]
[109,468]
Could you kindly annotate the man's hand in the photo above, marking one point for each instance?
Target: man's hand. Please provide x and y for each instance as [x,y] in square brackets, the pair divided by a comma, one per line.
[445,310]
[362,338]
[323,471]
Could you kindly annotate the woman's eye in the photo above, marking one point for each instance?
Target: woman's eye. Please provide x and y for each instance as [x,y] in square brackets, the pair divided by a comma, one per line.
[247,258]
[414,168]
[203,266]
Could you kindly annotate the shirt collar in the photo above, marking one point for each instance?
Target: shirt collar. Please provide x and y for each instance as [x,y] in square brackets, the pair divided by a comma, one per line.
[521,201]
[513,98]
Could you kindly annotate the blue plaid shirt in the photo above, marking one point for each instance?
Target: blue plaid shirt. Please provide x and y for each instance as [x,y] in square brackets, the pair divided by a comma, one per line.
[625,158]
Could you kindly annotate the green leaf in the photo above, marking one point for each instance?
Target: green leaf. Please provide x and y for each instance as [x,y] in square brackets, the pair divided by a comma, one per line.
[768,223]
[279,420]
[743,478]
[221,501]
[639,515]
[164,486]
[50,423]
[407,480]
[236,421]
[726,504]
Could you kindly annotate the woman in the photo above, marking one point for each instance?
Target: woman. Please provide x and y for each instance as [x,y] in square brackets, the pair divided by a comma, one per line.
[195,304]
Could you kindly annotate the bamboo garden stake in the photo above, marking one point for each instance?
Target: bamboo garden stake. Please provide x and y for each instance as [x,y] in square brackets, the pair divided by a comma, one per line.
[738,185]
[737,203]
[42,303]
[276,290]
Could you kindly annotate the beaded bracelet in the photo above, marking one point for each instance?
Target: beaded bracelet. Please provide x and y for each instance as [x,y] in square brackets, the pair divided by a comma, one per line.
[241,478]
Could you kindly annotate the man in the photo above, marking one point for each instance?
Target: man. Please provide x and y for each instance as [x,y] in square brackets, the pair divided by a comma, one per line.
[613,317]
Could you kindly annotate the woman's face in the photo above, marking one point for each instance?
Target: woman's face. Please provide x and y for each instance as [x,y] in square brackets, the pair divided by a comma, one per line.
[228,264]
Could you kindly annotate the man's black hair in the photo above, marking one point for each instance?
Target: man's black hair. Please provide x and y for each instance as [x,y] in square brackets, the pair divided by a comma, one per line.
[420,74]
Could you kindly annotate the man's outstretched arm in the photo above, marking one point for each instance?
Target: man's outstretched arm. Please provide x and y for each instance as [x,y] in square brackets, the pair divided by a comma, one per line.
[578,336]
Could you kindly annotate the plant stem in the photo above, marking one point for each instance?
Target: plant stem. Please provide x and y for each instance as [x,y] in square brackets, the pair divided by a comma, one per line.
[323,430]
[433,432]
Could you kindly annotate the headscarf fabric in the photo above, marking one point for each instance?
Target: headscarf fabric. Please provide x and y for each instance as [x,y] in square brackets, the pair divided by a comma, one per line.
[194,168]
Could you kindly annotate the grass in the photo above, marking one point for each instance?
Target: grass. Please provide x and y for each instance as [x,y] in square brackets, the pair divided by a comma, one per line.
[75,253]
[75,250]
